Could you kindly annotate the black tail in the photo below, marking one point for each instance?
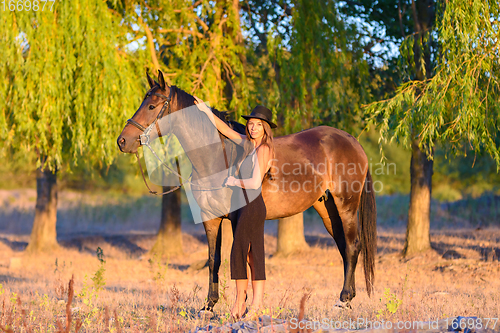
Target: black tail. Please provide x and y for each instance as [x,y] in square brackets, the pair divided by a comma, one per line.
[368,222]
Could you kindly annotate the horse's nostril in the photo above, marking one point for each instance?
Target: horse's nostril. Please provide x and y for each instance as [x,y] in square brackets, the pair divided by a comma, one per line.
[121,142]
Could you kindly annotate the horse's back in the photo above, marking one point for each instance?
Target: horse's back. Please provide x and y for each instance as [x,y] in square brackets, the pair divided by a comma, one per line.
[307,164]
[322,141]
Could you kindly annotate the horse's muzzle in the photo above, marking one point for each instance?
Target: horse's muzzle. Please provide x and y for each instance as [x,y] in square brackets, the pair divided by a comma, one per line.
[125,146]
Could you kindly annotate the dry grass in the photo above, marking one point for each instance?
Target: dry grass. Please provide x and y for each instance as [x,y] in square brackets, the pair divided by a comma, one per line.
[429,286]
[459,277]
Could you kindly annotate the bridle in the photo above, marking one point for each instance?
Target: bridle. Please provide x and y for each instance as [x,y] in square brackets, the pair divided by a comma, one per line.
[144,137]
[144,141]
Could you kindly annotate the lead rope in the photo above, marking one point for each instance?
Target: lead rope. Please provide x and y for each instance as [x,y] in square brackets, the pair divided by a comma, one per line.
[144,178]
[176,173]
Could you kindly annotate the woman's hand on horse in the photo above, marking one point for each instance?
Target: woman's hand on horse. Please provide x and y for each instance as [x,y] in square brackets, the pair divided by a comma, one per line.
[201,105]
[218,123]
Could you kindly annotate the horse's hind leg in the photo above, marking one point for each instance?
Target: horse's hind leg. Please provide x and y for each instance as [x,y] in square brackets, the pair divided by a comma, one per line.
[214,236]
[343,227]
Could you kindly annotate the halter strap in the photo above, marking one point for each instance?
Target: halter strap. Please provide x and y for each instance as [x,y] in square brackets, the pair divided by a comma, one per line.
[136,124]
[160,114]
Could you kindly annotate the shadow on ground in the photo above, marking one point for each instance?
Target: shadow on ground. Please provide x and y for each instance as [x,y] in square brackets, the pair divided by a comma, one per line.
[14,245]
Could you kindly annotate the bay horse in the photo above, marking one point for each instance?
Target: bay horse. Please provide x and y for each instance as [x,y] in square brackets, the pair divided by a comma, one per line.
[322,167]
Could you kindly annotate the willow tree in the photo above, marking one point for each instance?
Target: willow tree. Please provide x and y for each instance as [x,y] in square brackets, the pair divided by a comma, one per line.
[450,96]
[321,69]
[315,74]
[199,47]
[65,84]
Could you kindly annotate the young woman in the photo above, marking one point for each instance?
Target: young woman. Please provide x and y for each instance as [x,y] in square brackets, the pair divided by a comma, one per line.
[247,252]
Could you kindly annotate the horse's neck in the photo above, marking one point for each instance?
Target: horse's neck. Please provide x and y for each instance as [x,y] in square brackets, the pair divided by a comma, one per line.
[193,132]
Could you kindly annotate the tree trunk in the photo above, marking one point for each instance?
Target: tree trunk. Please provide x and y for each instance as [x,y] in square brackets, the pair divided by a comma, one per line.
[291,235]
[418,229]
[227,243]
[169,239]
[419,213]
[43,235]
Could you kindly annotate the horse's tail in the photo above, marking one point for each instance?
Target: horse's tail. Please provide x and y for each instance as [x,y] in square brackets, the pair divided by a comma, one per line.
[368,231]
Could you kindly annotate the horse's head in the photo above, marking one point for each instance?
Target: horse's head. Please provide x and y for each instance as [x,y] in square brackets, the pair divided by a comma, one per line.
[154,106]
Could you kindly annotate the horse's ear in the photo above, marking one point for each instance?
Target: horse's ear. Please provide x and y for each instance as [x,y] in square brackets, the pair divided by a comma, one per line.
[150,80]
[161,80]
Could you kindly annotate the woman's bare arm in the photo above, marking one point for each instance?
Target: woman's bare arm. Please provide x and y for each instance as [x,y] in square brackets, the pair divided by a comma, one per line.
[221,126]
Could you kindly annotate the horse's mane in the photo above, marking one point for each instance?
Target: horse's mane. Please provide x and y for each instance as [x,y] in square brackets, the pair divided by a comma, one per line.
[185,100]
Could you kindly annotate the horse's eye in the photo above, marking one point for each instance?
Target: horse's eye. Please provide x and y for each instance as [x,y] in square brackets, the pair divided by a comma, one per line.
[152,107]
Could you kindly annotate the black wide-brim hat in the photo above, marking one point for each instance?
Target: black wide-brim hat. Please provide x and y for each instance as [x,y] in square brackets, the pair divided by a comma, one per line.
[263,113]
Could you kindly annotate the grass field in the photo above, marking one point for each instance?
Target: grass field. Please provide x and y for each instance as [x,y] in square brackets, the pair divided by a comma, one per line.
[132,292]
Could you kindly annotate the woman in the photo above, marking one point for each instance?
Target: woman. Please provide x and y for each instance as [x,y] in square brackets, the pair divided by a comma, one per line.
[248,221]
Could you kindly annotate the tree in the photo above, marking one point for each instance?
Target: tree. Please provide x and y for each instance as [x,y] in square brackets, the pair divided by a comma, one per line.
[291,235]
[169,238]
[448,98]
[66,82]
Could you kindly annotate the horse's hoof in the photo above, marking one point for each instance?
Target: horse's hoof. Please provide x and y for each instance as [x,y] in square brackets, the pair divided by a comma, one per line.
[342,305]
[205,314]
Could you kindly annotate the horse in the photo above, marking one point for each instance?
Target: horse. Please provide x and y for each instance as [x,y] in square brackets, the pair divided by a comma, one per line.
[309,169]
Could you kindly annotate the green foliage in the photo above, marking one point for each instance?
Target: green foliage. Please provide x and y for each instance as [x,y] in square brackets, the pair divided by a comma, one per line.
[456,106]
[88,295]
[392,172]
[158,271]
[383,21]
[13,298]
[199,46]
[391,304]
[90,292]
[43,301]
[454,177]
[66,84]
[98,278]
[460,177]
[321,76]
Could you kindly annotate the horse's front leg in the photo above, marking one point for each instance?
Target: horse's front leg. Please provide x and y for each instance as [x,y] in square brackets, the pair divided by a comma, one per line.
[214,235]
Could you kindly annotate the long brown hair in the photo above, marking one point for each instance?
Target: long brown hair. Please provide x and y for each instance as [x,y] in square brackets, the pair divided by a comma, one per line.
[267,139]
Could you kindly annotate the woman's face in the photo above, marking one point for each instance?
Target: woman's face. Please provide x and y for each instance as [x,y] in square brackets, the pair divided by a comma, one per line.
[255,128]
